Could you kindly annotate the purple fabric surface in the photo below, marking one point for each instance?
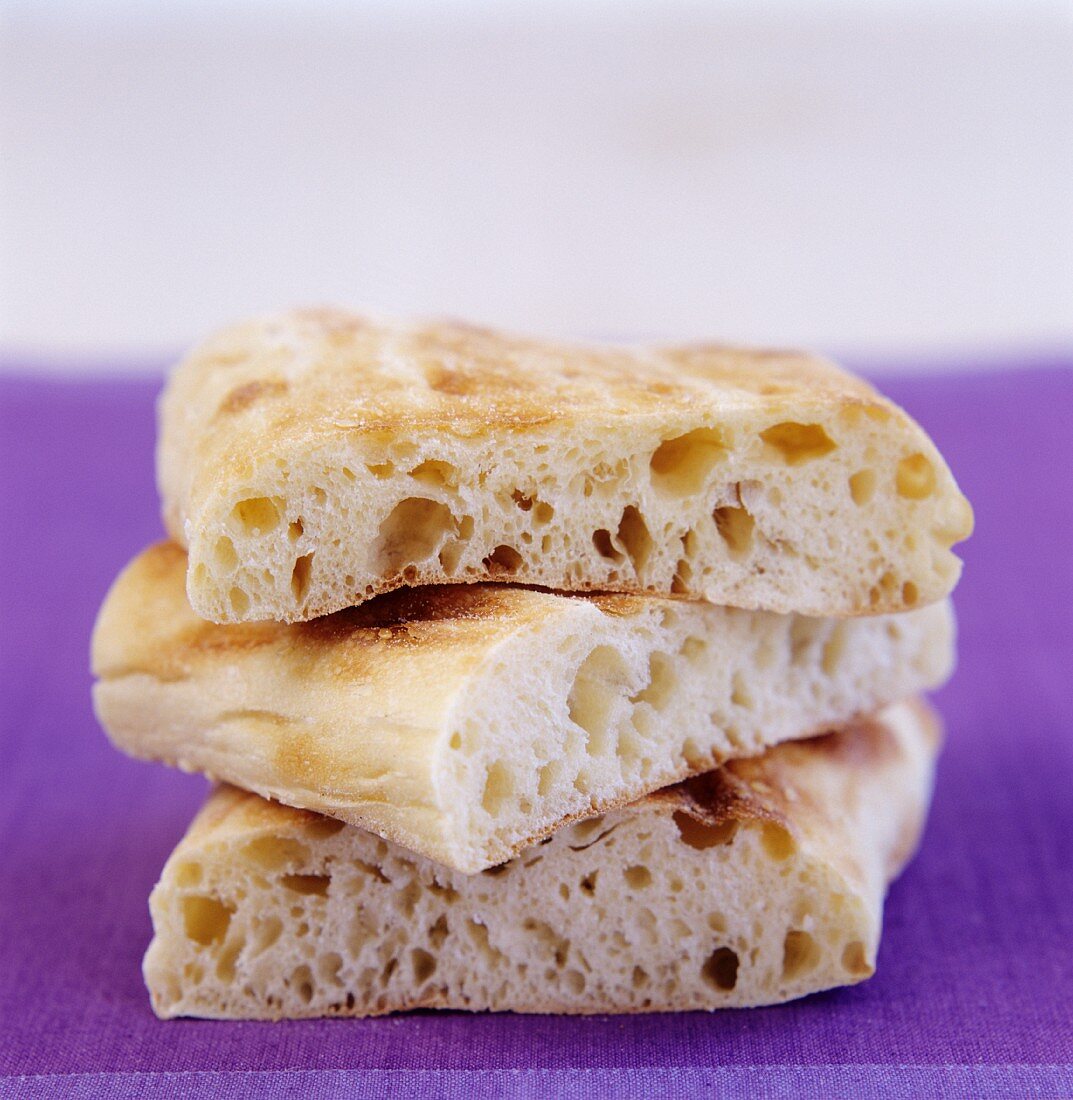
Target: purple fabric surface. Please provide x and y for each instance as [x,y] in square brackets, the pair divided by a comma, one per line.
[974,992]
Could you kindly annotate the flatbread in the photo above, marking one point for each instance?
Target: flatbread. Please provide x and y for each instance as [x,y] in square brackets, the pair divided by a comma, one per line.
[466,721]
[750,885]
[311,460]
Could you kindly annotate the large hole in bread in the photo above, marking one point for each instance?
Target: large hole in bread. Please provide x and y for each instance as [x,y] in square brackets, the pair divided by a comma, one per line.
[424,964]
[451,553]
[735,526]
[321,827]
[599,681]
[498,788]
[413,532]
[575,982]
[266,930]
[328,967]
[584,832]
[542,513]
[205,919]
[503,559]
[303,567]
[680,466]
[601,539]
[478,934]
[862,486]
[631,746]
[240,602]
[662,681]
[915,478]
[388,971]
[777,841]
[798,443]
[703,834]
[557,946]
[440,475]
[551,776]
[634,538]
[306,884]
[225,962]
[683,575]
[301,981]
[720,969]
[438,931]
[717,921]
[637,877]
[855,960]
[882,593]
[740,694]
[256,516]
[800,954]
[224,553]
[273,853]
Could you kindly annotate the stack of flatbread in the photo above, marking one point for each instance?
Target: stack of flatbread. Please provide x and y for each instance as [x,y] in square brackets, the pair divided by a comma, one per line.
[534,677]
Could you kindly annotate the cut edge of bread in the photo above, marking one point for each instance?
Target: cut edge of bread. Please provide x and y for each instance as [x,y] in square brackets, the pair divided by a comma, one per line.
[467,723]
[754,884]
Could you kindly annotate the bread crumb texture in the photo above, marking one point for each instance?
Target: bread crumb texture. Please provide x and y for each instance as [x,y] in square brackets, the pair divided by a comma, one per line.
[312,460]
[466,721]
[750,885]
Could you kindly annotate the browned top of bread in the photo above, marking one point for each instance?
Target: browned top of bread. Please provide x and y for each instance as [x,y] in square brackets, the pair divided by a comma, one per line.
[462,379]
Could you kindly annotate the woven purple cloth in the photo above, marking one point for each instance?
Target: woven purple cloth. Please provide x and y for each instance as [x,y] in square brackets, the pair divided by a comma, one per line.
[974,991]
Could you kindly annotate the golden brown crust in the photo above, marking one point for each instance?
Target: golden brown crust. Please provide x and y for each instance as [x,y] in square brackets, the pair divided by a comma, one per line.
[763,786]
[444,616]
[477,380]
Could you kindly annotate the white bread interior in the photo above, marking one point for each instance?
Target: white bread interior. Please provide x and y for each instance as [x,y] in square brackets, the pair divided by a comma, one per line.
[466,721]
[754,884]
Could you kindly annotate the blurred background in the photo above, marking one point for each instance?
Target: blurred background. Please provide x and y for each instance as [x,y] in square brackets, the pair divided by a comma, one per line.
[888,181]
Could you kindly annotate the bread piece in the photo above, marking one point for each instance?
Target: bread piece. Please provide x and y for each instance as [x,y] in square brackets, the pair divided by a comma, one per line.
[465,722]
[311,460]
[757,883]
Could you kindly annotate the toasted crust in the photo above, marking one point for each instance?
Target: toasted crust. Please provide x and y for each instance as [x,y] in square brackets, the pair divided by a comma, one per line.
[757,883]
[312,460]
[465,722]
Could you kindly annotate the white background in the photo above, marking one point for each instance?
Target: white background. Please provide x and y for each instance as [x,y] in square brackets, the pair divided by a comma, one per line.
[881,179]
